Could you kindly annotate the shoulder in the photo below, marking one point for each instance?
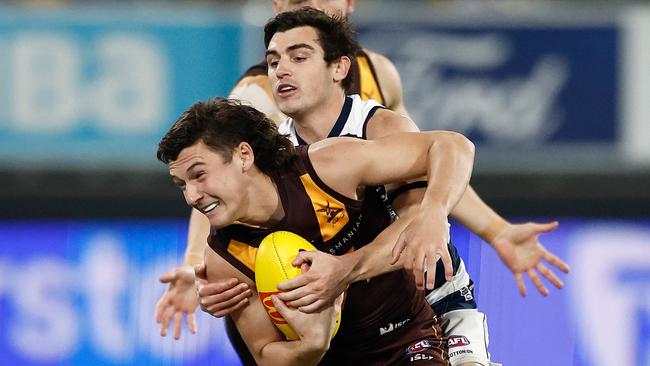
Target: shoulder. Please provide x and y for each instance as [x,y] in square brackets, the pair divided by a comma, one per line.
[386,122]
[255,90]
[387,77]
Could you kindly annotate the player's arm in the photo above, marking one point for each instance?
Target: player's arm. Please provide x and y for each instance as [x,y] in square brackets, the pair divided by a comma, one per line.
[445,157]
[517,245]
[389,82]
[265,342]
[446,151]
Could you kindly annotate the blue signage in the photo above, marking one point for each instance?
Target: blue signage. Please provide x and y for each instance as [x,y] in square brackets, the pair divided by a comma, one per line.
[507,85]
[102,87]
[84,292]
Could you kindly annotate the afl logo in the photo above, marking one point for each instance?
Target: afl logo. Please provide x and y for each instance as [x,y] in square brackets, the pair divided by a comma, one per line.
[419,346]
[457,341]
[265,297]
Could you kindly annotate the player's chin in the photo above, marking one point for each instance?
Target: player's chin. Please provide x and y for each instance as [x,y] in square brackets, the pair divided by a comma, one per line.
[219,220]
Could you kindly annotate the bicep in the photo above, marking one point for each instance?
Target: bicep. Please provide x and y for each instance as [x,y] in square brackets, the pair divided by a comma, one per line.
[345,163]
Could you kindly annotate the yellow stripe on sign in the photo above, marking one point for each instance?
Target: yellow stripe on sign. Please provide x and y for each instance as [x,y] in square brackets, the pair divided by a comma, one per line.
[331,213]
[243,252]
[369,89]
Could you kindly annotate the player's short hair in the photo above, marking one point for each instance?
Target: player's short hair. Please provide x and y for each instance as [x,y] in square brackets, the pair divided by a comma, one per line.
[334,33]
[222,124]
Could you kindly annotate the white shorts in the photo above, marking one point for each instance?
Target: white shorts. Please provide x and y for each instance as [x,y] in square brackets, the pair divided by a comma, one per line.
[467,333]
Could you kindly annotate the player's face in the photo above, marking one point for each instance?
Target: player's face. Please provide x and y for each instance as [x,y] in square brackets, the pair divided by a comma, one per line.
[344,7]
[300,78]
[209,184]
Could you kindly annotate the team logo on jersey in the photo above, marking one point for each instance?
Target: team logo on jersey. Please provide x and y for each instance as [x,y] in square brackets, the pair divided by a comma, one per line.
[418,347]
[265,297]
[334,214]
[457,341]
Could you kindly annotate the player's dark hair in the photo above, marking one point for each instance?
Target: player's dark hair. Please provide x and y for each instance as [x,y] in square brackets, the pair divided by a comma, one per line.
[334,33]
[222,124]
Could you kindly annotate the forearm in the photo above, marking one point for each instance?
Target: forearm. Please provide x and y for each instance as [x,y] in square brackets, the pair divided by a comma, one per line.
[375,258]
[449,171]
[197,238]
[478,217]
[290,353]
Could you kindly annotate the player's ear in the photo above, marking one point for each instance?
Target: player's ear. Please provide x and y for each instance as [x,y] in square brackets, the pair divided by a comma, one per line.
[244,155]
[277,6]
[341,68]
[351,4]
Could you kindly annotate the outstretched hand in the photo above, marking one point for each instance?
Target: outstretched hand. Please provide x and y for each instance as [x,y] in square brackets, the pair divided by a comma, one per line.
[519,248]
[421,244]
[324,278]
[179,298]
[220,298]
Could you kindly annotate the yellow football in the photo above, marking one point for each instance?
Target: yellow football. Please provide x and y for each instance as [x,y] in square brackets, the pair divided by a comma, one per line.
[272,266]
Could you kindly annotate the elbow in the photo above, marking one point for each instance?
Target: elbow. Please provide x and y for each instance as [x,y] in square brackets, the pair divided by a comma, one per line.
[461,144]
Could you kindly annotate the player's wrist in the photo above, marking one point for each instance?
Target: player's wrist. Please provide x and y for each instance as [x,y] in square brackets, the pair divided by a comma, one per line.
[315,344]
[492,231]
[356,262]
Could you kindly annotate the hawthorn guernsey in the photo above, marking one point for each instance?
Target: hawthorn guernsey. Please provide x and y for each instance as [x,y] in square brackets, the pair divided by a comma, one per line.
[272,266]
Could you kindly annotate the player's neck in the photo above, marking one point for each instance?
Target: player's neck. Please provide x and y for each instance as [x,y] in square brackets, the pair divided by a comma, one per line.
[264,207]
[315,125]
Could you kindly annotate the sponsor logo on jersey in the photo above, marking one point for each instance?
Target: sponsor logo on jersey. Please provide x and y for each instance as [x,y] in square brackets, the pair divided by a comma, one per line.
[457,341]
[421,357]
[418,347]
[393,326]
[466,293]
[461,352]
[265,297]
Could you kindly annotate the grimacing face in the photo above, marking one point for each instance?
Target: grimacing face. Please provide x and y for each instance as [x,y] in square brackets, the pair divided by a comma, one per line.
[344,7]
[208,183]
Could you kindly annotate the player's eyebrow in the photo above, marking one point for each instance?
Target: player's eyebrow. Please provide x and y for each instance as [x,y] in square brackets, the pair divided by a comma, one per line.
[193,165]
[291,48]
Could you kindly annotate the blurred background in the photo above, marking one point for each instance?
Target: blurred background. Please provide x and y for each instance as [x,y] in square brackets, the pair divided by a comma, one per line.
[555,94]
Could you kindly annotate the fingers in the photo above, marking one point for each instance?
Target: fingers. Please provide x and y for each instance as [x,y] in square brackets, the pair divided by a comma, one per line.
[520,284]
[280,306]
[178,323]
[200,271]
[304,301]
[556,261]
[314,307]
[302,258]
[166,317]
[191,322]
[220,303]
[293,283]
[538,282]
[418,270]
[398,248]
[338,302]
[446,261]
[160,307]
[168,277]
[548,227]
[293,295]
[549,275]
